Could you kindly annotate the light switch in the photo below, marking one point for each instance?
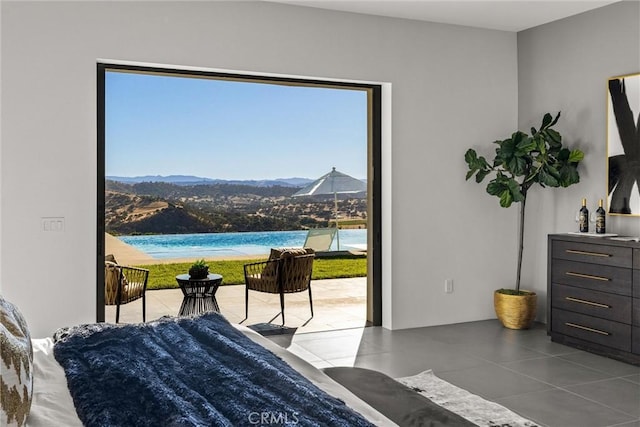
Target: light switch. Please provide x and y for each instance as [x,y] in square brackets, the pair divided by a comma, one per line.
[53,223]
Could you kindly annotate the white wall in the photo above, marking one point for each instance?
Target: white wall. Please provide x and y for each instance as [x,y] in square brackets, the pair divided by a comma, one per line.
[564,66]
[453,87]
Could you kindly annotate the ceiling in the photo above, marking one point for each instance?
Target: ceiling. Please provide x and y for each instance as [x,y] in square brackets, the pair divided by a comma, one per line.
[506,15]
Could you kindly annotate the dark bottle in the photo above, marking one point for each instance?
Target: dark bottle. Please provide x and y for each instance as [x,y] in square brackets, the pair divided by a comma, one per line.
[583,217]
[601,227]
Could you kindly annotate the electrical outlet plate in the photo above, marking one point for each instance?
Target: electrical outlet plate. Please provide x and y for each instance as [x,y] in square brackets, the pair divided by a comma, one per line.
[448,286]
[52,224]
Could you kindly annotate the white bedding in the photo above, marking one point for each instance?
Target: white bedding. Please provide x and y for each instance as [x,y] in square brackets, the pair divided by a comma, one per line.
[52,404]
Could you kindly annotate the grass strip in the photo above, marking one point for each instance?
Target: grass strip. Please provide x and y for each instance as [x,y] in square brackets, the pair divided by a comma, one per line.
[163,276]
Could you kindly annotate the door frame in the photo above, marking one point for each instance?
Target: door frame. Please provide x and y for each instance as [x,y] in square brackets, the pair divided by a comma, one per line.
[374,179]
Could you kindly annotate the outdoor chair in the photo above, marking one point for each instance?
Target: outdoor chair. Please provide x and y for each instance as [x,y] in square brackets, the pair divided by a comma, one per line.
[320,239]
[124,284]
[286,271]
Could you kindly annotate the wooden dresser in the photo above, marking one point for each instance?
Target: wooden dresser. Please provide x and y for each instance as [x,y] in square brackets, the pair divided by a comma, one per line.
[593,295]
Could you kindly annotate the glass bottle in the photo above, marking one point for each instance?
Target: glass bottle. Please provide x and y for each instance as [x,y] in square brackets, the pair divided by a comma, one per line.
[600,219]
[583,217]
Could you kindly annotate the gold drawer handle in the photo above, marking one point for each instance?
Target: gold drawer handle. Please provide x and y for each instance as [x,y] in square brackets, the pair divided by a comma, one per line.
[587,276]
[573,251]
[597,331]
[582,301]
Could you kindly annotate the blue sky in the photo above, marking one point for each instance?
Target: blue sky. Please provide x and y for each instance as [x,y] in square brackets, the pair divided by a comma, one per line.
[166,125]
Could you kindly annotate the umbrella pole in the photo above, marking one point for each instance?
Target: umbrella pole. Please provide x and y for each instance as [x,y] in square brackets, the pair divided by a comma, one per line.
[335,200]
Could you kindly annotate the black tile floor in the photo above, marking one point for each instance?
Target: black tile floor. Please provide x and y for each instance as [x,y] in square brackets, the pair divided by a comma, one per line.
[551,384]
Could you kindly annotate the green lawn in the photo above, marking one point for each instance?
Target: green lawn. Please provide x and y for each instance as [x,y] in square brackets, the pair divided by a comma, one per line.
[163,276]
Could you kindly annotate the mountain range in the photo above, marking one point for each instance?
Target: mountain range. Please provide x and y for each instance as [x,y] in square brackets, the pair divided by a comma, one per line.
[195,180]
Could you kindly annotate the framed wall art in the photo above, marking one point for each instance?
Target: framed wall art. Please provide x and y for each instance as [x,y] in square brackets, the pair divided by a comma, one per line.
[623,144]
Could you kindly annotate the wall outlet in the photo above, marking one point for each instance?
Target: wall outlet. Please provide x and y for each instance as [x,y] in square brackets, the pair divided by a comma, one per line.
[448,286]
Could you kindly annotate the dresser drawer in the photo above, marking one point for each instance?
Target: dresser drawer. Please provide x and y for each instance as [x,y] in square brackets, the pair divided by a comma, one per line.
[593,253]
[605,332]
[635,345]
[636,258]
[636,312]
[593,303]
[592,276]
[636,283]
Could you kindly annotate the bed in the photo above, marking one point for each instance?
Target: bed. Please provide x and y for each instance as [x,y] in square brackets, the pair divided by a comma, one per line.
[188,371]
[104,362]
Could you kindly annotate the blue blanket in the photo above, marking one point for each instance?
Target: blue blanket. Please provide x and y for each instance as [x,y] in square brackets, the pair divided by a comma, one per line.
[197,371]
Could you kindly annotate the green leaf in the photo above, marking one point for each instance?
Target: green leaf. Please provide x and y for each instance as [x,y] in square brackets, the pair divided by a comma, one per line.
[526,145]
[507,147]
[555,120]
[513,152]
[482,162]
[514,189]
[546,121]
[495,188]
[546,178]
[507,189]
[517,137]
[481,175]
[506,199]
[476,165]
[517,165]
[533,131]
[576,156]
[553,171]
[569,175]
[563,155]
[470,156]
[541,144]
[553,136]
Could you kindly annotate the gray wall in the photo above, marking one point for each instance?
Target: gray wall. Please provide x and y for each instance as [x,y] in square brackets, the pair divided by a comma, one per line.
[564,66]
[451,87]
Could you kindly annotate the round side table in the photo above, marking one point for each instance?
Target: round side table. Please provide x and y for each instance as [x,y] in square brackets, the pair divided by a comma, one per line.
[199,295]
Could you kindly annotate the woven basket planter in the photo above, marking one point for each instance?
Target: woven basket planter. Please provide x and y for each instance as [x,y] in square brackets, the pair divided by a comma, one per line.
[515,311]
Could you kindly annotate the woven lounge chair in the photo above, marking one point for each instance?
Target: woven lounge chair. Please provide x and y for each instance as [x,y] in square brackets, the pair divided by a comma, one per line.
[124,284]
[286,271]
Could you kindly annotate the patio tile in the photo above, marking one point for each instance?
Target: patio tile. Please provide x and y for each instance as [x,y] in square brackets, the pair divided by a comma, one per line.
[337,304]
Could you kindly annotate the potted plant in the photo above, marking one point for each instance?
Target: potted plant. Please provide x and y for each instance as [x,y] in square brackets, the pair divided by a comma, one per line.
[199,270]
[520,162]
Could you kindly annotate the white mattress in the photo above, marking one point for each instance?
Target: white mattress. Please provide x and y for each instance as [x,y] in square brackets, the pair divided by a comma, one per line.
[52,404]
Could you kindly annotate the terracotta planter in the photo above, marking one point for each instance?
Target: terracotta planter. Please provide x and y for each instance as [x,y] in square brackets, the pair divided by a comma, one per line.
[515,311]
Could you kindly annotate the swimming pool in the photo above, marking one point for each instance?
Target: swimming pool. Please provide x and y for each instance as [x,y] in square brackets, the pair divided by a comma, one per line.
[224,244]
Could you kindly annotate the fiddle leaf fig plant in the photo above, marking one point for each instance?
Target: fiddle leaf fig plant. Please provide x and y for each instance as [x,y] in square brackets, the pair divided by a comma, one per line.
[521,161]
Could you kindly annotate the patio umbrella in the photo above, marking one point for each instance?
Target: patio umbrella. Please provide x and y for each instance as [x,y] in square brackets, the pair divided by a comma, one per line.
[333,183]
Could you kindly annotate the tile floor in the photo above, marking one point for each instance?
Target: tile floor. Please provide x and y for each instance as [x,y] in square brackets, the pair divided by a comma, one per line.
[549,383]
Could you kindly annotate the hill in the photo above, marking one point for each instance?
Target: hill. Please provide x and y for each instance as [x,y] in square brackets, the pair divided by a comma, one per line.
[135,214]
[166,208]
[196,180]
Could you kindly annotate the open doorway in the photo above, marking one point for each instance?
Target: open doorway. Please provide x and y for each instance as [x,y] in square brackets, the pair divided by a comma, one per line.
[372,96]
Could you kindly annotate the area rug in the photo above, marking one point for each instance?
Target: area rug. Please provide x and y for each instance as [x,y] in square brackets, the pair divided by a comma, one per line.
[469,406]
